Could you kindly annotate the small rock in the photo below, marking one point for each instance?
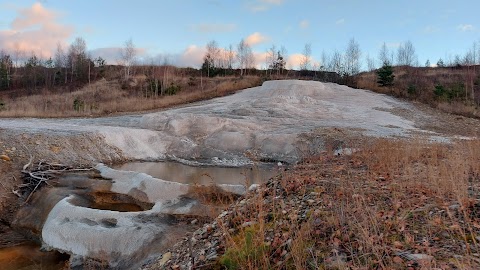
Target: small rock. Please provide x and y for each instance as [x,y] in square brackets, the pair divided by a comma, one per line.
[249,223]
[398,244]
[212,256]
[193,222]
[424,260]
[397,260]
[5,158]
[311,202]
[165,258]
[201,258]
[253,187]
[176,267]
[454,207]
[14,149]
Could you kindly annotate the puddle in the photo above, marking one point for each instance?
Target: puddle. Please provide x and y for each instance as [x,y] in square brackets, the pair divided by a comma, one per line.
[178,172]
[29,256]
[111,201]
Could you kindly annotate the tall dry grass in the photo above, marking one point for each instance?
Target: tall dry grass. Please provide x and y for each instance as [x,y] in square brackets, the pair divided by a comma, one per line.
[391,205]
[107,97]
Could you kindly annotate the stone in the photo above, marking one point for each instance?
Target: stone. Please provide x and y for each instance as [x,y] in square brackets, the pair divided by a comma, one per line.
[5,158]
[165,258]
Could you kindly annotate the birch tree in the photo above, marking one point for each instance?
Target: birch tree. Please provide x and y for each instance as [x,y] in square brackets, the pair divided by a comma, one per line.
[306,58]
[352,58]
[244,56]
[128,57]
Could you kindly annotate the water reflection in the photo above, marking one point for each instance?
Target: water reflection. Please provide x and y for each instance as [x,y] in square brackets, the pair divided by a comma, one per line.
[29,256]
[177,172]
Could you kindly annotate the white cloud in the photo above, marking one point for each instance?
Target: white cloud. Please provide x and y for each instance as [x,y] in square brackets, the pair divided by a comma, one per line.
[340,21]
[304,24]
[295,60]
[256,38]
[35,29]
[465,27]
[214,27]
[263,5]
[192,56]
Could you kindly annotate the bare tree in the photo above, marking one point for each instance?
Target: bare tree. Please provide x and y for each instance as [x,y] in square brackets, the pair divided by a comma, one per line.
[77,55]
[230,57]
[61,61]
[384,55]
[352,58]
[244,55]
[336,63]
[406,54]
[323,61]
[212,58]
[128,57]
[370,63]
[307,57]
[17,54]
[271,58]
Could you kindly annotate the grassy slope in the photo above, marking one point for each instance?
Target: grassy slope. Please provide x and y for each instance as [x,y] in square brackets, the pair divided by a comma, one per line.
[418,83]
[106,97]
[391,205]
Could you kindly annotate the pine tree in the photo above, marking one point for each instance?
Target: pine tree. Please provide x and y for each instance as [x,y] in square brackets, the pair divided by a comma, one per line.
[385,75]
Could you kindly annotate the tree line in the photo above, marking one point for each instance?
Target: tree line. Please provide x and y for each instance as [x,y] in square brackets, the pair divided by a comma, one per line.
[73,64]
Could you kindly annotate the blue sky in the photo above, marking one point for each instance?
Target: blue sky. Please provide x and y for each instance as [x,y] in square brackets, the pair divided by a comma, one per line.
[180,29]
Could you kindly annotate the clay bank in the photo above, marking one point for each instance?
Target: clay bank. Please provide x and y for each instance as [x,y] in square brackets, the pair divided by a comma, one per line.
[279,122]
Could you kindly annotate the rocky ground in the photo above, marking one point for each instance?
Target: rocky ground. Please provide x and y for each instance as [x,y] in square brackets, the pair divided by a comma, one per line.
[364,211]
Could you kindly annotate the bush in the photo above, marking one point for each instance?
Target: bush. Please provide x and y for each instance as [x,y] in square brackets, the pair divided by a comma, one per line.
[412,90]
[78,104]
[2,105]
[172,89]
[247,251]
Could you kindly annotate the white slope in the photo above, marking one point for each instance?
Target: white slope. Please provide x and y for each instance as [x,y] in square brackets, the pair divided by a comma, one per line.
[266,120]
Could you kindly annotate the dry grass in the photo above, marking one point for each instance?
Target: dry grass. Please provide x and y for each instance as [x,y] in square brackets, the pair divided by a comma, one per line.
[419,84]
[107,97]
[375,209]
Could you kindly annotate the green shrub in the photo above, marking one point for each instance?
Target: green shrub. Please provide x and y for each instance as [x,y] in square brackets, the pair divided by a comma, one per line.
[78,104]
[247,252]
[412,90]
[172,89]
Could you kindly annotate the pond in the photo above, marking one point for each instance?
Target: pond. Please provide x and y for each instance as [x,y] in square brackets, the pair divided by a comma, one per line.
[203,175]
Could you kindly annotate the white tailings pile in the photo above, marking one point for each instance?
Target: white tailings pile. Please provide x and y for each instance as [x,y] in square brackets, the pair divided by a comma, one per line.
[270,122]
[120,236]
[266,120]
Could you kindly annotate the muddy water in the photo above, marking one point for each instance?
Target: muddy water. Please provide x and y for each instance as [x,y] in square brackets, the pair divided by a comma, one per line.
[92,191]
[178,172]
[29,256]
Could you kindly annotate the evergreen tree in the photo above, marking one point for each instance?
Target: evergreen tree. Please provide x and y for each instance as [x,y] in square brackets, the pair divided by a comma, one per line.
[385,75]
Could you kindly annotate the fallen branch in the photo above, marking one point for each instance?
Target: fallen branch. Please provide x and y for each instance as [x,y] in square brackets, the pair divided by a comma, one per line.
[40,175]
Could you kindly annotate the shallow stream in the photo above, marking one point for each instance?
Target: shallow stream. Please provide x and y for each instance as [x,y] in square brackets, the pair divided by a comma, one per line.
[91,191]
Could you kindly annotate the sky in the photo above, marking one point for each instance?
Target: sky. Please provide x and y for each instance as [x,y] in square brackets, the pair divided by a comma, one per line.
[179,30]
